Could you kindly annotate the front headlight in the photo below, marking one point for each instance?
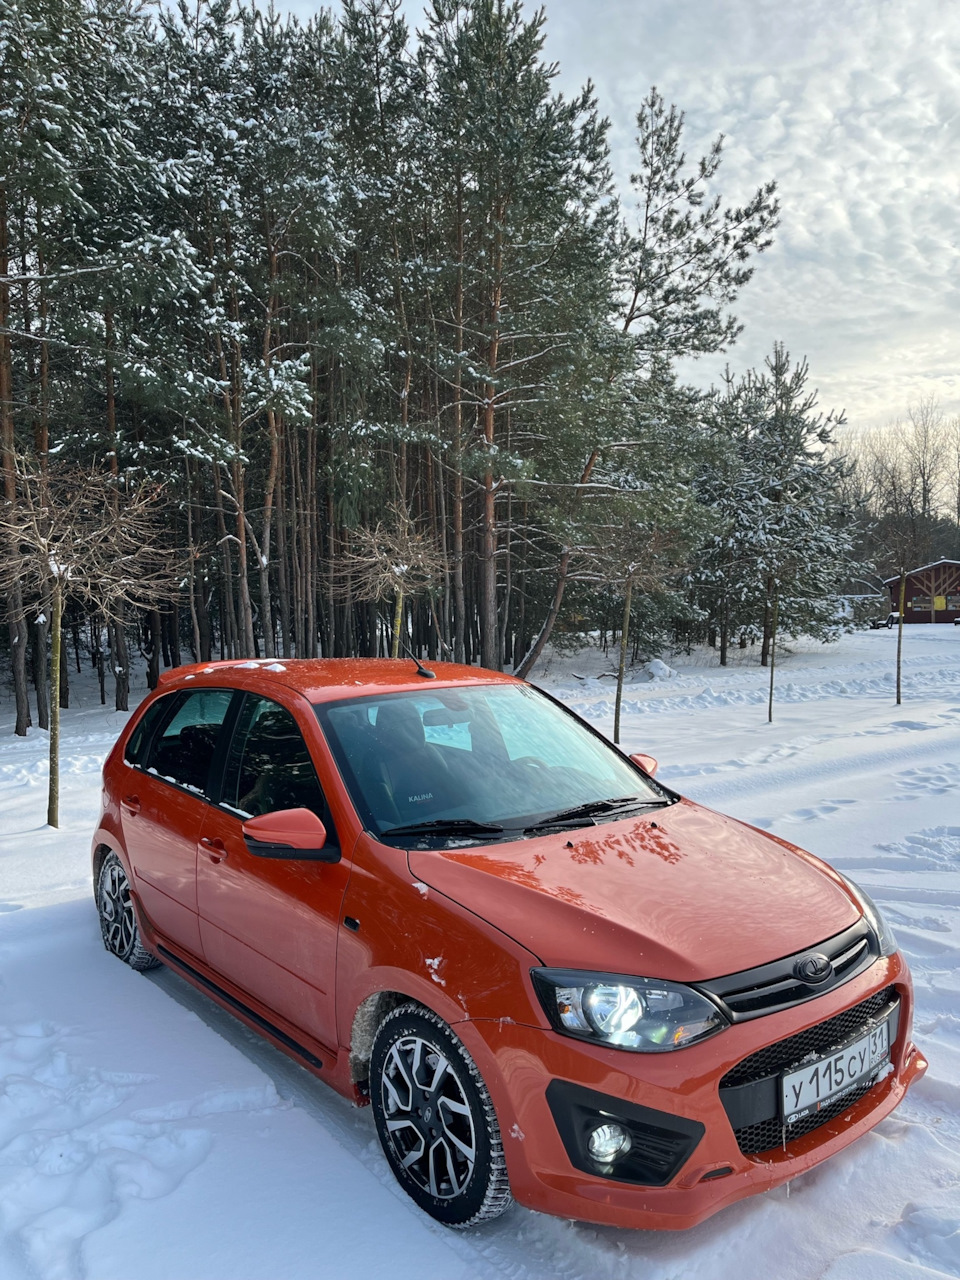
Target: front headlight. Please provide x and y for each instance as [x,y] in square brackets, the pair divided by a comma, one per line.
[646,1015]
[874,918]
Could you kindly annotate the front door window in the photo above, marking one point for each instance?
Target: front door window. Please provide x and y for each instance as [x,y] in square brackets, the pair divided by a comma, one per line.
[270,766]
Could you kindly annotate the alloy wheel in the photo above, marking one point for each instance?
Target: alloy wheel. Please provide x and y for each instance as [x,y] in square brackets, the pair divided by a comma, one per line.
[428,1118]
[116,910]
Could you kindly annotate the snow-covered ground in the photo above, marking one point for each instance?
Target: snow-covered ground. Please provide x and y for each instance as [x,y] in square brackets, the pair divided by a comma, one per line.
[144,1133]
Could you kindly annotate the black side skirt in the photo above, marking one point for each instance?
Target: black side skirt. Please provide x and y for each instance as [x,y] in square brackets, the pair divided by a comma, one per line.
[239,1007]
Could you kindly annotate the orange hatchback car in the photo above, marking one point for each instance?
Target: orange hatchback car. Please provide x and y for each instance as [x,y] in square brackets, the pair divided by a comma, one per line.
[553,978]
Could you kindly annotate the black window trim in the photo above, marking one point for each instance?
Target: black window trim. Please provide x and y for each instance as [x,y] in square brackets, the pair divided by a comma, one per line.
[173,700]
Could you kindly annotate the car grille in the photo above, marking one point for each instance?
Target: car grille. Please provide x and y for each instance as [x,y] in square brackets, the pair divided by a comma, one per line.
[825,1035]
[752,1085]
[771,987]
[753,1139]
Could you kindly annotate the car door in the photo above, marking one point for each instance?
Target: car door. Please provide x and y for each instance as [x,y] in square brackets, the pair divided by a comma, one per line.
[269,925]
[163,806]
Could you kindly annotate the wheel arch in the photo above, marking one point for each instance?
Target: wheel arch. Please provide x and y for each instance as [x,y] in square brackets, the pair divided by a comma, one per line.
[100,852]
[366,1022]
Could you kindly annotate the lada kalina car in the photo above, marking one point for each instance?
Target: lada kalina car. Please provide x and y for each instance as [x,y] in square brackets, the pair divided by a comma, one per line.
[553,978]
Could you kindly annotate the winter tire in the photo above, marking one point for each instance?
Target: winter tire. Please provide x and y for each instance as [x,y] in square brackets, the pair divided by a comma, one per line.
[118,920]
[435,1120]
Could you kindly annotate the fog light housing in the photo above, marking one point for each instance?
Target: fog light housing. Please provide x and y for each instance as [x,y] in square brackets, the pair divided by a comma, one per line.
[608,1142]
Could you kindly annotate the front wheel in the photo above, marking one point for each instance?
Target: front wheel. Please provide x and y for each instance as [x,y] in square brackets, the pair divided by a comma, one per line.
[118,921]
[435,1119]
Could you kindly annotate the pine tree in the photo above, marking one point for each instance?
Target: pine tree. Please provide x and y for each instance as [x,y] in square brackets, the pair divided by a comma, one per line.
[782,549]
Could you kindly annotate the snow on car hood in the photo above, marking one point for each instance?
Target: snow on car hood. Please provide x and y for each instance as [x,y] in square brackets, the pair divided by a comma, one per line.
[681,893]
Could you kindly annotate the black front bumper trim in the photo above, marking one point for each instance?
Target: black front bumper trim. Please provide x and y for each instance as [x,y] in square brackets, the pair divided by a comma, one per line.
[661,1143]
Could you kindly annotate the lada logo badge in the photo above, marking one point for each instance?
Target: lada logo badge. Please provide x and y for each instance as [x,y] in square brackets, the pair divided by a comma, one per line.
[813,969]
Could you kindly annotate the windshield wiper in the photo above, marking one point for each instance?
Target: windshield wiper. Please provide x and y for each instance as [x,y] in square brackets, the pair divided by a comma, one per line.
[444,827]
[593,809]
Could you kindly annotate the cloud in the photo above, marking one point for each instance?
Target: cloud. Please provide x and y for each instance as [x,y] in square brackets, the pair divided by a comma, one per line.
[854,108]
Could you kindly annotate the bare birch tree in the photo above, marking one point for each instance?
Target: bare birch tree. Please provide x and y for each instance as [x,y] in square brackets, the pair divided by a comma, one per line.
[392,561]
[72,535]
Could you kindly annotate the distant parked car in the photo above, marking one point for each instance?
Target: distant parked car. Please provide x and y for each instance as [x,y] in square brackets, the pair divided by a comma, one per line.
[891,620]
[553,978]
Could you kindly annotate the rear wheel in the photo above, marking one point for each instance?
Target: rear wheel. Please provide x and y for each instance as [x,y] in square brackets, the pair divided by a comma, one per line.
[435,1119]
[118,921]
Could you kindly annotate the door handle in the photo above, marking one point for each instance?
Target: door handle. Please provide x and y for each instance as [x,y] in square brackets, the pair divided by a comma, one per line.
[131,804]
[213,848]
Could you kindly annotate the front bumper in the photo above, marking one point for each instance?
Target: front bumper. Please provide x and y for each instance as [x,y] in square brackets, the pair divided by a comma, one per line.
[520,1063]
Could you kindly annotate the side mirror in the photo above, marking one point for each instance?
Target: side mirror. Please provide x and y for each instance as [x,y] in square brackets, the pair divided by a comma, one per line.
[646,763]
[289,833]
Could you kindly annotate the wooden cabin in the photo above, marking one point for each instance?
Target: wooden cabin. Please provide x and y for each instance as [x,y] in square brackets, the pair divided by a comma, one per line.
[932,595]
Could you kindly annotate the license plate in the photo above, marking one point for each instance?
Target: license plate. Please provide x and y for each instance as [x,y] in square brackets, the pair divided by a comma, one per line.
[813,1085]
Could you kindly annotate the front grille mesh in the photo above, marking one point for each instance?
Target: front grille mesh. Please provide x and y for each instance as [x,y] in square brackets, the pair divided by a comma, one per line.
[787,1053]
[754,1138]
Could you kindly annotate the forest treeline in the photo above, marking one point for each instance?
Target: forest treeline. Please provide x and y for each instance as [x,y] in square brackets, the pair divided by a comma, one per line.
[367,310]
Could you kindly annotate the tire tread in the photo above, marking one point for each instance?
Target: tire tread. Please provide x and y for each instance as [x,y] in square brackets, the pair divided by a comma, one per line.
[138,958]
[497,1198]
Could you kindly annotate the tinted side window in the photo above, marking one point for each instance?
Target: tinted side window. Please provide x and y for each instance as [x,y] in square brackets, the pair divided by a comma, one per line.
[140,738]
[183,751]
[269,766]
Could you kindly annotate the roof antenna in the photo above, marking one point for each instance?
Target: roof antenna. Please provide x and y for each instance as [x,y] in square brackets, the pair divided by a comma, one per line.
[421,669]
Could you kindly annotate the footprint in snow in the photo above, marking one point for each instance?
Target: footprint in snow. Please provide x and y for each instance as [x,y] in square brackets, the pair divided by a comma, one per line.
[815,811]
[928,780]
[68,1162]
[933,924]
[933,849]
[932,1236]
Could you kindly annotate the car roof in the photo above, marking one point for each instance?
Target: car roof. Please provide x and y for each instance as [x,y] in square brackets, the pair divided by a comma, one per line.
[328,679]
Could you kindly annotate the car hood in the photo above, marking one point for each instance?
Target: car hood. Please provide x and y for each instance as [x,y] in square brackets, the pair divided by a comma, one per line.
[681,893]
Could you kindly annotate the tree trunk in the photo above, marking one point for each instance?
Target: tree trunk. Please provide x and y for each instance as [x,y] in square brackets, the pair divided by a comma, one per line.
[903,601]
[153,648]
[773,650]
[64,671]
[53,793]
[228,618]
[17,625]
[459,590]
[397,625]
[120,663]
[192,571]
[535,650]
[489,631]
[203,621]
[247,642]
[622,665]
[563,568]
[39,665]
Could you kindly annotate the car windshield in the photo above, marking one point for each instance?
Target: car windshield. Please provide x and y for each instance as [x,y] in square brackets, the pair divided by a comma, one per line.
[476,763]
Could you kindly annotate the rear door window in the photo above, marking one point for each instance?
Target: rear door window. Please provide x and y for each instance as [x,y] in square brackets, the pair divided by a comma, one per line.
[183,751]
[139,740]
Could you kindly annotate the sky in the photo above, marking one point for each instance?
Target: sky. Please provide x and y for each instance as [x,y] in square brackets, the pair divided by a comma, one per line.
[853,107]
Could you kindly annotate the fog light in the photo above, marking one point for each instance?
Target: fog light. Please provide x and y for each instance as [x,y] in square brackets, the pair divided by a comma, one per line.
[607,1142]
